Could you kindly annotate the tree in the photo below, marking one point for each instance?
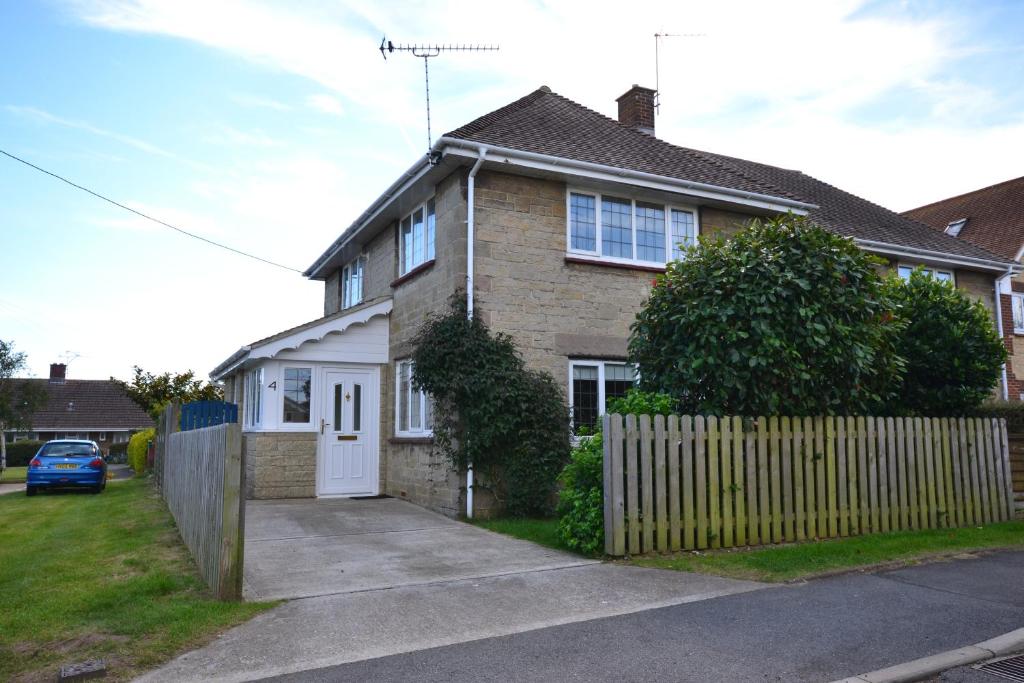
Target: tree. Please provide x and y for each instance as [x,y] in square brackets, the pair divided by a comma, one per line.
[783,318]
[154,392]
[19,399]
[953,352]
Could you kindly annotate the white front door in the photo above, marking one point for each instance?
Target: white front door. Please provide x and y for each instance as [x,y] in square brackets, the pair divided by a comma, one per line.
[348,457]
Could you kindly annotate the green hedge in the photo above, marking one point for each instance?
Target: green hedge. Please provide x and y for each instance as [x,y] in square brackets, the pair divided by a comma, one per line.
[19,453]
[1013,412]
[137,447]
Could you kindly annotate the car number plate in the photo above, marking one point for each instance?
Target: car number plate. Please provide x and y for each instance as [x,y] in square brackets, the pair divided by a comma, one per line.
[67,466]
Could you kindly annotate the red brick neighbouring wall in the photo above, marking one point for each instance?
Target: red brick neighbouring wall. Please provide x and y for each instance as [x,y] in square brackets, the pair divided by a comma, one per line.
[1014,385]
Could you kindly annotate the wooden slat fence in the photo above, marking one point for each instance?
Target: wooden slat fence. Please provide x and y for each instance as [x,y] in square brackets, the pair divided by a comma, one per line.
[673,483]
[199,414]
[201,481]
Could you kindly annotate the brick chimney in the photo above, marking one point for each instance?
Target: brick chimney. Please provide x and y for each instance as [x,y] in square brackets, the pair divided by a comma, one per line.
[636,109]
[58,372]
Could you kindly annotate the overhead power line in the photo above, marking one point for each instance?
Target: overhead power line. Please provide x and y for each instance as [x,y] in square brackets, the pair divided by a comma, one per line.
[147,217]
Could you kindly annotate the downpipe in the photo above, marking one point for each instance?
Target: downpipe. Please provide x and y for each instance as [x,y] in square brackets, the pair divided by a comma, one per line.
[470,210]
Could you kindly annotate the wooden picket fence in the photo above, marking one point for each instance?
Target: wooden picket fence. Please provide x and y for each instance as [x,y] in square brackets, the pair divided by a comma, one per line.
[674,483]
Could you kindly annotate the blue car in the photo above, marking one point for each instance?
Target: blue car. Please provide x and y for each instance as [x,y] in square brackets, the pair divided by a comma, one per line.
[67,463]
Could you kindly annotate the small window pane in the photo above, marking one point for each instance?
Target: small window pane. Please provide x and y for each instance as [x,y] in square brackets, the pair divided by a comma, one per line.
[428,418]
[584,396]
[905,272]
[296,394]
[943,276]
[406,245]
[616,227]
[418,241]
[415,410]
[431,229]
[650,232]
[337,407]
[1018,312]
[403,396]
[683,233]
[618,379]
[357,407]
[583,221]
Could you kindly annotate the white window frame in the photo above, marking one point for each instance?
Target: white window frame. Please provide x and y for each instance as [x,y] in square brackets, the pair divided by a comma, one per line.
[429,237]
[1017,301]
[121,437]
[284,426]
[414,395]
[929,270]
[253,398]
[348,297]
[601,398]
[102,436]
[596,255]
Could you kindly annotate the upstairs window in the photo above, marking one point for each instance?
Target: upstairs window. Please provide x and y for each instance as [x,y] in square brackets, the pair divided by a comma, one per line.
[417,237]
[352,277]
[622,230]
[943,275]
[1018,313]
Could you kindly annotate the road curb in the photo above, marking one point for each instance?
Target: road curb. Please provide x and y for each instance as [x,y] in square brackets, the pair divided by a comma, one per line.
[919,669]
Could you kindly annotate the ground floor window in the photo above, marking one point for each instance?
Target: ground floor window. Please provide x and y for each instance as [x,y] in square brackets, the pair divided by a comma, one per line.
[121,437]
[254,398]
[297,390]
[1018,313]
[592,384]
[414,411]
[944,275]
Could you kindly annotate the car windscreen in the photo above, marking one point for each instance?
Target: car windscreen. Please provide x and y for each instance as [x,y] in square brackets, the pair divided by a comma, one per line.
[65,450]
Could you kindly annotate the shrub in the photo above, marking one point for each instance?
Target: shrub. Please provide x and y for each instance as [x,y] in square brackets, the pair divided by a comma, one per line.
[138,446]
[785,317]
[511,423]
[20,452]
[953,353]
[1013,413]
[581,500]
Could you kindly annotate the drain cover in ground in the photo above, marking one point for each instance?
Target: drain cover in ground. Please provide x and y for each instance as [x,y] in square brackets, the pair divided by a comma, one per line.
[1010,668]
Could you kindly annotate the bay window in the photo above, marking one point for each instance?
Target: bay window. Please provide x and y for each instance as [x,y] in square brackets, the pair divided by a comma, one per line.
[623,230]
[414,411]
[592,384]
[417,237]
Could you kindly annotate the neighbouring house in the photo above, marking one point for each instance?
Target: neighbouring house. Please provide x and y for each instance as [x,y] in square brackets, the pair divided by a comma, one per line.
[993,219]
[553,218]
[95,409]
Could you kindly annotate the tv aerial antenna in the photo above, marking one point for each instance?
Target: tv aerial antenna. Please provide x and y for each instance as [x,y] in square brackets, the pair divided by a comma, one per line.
[658,37]
[426,52]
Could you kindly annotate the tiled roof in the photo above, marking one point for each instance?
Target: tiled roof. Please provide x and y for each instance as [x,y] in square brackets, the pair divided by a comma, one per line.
[87,404]
[995,216]
[544,122]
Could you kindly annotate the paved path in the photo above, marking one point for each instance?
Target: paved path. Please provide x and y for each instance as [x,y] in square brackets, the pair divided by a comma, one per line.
[819,631]
[374,578]
[11,488]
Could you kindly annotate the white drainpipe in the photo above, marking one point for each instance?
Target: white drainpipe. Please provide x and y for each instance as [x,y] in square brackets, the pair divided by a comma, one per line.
[481,153]
[999,326]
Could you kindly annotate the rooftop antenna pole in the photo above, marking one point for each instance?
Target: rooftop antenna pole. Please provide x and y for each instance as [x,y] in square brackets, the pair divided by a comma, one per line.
[657,75]
[426,52]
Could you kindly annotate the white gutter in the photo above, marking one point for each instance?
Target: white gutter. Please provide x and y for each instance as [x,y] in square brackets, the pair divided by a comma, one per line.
[999,324]
[941,257]
[616,174]
[470,185]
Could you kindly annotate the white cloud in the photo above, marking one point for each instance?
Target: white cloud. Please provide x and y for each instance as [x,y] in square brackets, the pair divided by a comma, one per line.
[247,100]
[325,103]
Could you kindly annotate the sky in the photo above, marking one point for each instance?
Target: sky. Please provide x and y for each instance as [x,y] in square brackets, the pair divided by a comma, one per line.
[270,126]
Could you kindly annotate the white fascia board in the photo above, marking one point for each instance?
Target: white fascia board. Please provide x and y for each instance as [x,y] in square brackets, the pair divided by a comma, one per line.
[296,339]
[938,257]
[406,180]
[594,171]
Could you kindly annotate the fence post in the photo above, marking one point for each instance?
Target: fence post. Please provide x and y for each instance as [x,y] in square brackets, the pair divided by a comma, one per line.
[232,541]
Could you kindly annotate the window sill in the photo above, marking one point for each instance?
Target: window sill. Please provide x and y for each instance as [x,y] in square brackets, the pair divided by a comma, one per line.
[1018,333]
[425,266]
[411,440]
[593,261]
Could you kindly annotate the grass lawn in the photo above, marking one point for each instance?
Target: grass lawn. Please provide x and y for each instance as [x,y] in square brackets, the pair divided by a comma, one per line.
[540,531]
[85,576]
[13,475]
[781,563]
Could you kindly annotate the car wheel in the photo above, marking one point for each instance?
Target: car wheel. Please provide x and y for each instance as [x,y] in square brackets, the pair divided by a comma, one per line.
[98,488]
[30,490]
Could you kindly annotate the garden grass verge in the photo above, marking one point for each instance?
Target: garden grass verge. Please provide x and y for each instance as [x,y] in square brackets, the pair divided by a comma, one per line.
[13,475]
[542,531]
[105,576]
[810,559]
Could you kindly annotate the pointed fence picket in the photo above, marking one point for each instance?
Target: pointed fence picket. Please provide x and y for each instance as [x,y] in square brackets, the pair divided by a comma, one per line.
[685,482]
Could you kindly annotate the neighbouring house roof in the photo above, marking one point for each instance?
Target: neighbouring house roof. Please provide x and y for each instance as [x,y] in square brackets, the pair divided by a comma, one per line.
[995,217]
[88,405]
[547,123]
[292,338]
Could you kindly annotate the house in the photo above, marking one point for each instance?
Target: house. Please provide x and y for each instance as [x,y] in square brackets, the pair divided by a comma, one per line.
[993,219]
[95,409]
[552,217]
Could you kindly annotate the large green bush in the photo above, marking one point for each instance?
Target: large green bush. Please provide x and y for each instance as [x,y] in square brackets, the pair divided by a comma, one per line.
[953,352]
[581,500]
[511,423]
[783,318]
[20,452]
[138,446]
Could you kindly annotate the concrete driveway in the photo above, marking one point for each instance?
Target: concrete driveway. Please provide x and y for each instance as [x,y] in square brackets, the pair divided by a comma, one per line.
[306,548]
